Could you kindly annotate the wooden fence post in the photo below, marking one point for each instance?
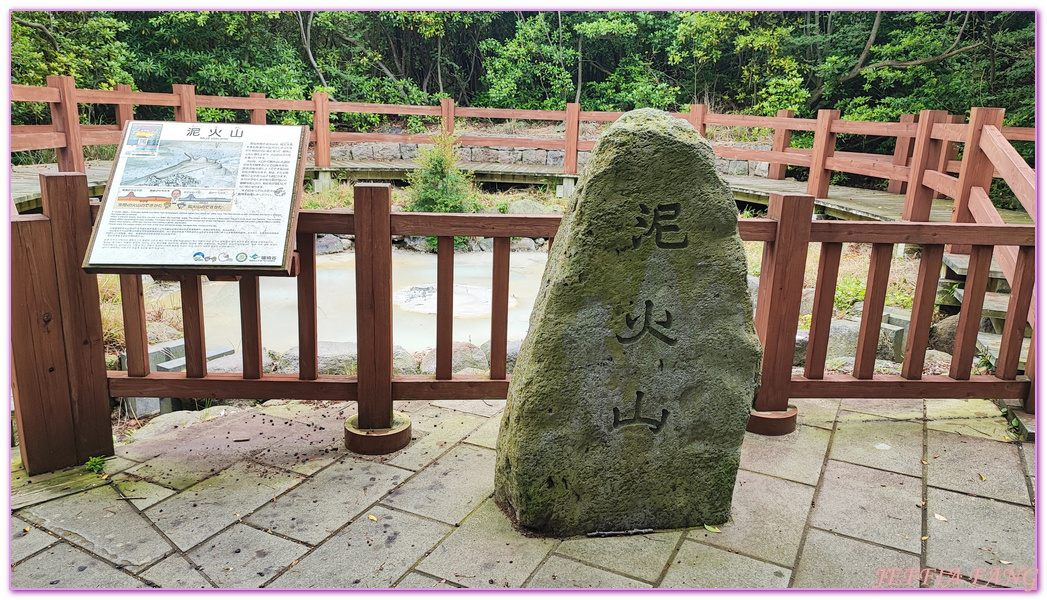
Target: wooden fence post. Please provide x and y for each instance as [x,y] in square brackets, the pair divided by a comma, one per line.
[257,114]
[65,118]
[372,205]
[781,286]
[570,151]
[976,169]
[43,408]
[66,203]
[186,109]
[950,150]
[124,112]
[322,129]
[697,117]
[824,147]
[782,138]
[902,153]
[447,115]
[926,151]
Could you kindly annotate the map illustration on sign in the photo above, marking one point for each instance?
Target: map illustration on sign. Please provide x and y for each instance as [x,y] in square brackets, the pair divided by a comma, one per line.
[190,195]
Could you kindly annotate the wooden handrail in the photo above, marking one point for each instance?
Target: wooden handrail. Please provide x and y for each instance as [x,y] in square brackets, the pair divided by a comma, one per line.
[1011,166]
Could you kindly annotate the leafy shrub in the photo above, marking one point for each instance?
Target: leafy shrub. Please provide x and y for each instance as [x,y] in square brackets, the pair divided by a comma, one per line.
[849,290]
[438,185]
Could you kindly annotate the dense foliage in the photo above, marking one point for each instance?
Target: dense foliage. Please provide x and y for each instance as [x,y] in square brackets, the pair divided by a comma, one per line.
[871,65]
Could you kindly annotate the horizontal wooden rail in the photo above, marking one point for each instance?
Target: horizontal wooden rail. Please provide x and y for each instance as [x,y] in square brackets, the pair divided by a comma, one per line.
[118,97]
[444,224]
[940,182]
[870,168]
[380,109]
[895,386]
[507,113]
[756,121]
[32,93]
[903,232]
[874,128]
[598,116]
[37,141]
[1012,167]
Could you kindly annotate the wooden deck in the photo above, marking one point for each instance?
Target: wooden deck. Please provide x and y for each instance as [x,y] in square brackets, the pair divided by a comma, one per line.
[843,202]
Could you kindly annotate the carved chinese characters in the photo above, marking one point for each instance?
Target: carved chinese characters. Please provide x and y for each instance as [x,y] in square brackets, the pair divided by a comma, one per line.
[632,389]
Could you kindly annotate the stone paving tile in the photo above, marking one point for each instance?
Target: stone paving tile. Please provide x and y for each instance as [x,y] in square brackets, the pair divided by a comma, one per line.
[700,566]
[330,499]
[796,456]
[768,516]
[639,556]
[63,566]
[1003,530]
[940,409]
[487,434]
[175,572]
[889,445]
[564,573]
[244,557]
[311,410]
[994,428]
[418,581]
[887,408]
[139,492]
[433,431]
[308,453]
[369,553]
[202,510]
[486,552]
[871,505]
[102,522]
[832,561]
[183,457]
[484,408]
[975,466]
[1029,450]
[449,489]
[816,412]
[26,539]
[32,489]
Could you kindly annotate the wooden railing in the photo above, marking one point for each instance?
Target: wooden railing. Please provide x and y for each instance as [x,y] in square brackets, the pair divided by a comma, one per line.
[62,387]
[68,137]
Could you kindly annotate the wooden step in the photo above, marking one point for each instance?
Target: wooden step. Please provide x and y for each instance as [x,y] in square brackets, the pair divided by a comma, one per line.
[990,342]
[994,306]
[959,263]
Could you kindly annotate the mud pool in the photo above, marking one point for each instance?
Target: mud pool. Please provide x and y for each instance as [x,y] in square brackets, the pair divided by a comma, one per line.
[414,301]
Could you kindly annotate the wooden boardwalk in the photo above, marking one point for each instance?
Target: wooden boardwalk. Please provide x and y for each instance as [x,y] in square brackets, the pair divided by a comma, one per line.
[843,202]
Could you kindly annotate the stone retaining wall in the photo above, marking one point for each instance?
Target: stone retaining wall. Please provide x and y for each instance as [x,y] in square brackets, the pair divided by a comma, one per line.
[525,156]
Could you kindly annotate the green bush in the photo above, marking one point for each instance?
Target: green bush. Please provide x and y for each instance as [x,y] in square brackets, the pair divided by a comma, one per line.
[849,290]
[438,185]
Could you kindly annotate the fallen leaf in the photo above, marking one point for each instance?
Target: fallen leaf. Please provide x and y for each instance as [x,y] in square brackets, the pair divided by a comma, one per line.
[937,455]
[27,529]
[925,537]
[294,562]
[982,476]
[986,548]
[105,476]
[940,518]
[712,528]
[924,462]
[1005,562]
[373,518]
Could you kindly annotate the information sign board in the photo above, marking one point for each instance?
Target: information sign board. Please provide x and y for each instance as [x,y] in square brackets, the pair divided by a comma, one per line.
[200,197]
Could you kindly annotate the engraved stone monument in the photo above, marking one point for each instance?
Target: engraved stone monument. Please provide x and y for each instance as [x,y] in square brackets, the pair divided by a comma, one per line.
[632,390]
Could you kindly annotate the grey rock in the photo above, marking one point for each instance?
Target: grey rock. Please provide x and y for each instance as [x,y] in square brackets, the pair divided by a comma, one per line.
[472,245]
[418,243]
[509,157]
[632,389]
[759,168]
[484,155]
[486,244]
[463,153]
[943,334]
[404,362]
[807,301]
[554,158]
[721,165]
[535,156]
[527,207]
[583,158]
[363,151]
[330,244]
[512,350]
[738,167]
[387,151]
[843,338]
[408,151]
[754,288]
[463,356]
[803,336]
[523,245]
[333,358]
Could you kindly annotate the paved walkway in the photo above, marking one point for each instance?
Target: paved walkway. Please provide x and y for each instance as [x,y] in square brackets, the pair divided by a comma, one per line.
[864,494]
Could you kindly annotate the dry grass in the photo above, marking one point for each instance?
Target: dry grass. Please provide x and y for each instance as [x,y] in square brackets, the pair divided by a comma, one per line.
[160,307]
